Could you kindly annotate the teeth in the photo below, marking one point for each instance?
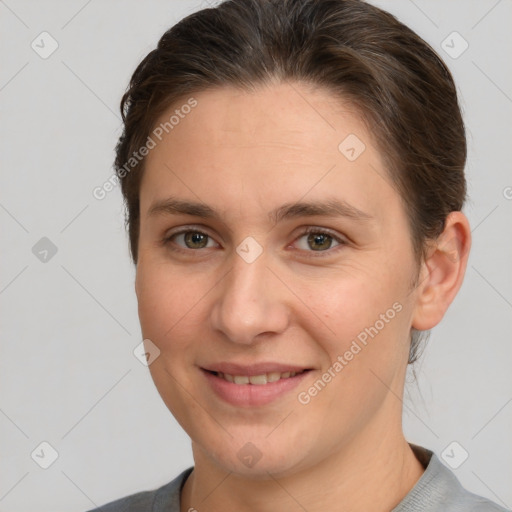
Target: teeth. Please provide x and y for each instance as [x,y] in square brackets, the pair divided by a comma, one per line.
[273,377]
[257,380]
[227,377]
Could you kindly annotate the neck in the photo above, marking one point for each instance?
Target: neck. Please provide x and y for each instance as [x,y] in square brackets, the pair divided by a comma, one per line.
[373,472]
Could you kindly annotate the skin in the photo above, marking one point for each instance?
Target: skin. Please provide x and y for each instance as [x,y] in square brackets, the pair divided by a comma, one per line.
[244,155]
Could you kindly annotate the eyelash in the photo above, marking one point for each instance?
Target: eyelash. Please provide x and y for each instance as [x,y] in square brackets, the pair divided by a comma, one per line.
[322,231]
[168,241]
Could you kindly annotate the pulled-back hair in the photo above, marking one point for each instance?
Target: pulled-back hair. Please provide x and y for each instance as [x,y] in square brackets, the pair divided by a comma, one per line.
[360,53]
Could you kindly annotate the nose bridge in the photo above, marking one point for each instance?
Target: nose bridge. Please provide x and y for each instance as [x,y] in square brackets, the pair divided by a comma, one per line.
[248,303]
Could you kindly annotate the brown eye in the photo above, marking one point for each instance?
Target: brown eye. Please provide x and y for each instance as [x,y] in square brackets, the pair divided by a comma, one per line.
[190,240]
[195,240]
[319,241]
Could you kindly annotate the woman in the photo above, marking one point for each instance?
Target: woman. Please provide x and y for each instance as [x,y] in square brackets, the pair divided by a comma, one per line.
[293,172]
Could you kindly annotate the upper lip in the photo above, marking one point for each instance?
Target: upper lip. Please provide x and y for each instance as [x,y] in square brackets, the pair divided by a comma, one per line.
[253,369]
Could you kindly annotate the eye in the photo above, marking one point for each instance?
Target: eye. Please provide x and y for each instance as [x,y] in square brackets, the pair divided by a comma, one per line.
[318,240]
[191,239]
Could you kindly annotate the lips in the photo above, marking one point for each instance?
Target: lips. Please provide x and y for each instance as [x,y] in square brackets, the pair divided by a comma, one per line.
[253,385]
[257,380]
[253,369]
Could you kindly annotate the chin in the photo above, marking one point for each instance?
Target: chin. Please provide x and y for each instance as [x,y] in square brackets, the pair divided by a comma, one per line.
[278,465]
[257,455]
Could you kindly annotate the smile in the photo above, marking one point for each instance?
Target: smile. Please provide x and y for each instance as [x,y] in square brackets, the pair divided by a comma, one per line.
[254,386]
[257,380]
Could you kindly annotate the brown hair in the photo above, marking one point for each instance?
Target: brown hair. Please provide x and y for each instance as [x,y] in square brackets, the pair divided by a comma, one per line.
[398,83]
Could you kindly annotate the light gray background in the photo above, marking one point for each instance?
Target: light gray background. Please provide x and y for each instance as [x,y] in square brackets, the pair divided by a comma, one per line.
[69,326]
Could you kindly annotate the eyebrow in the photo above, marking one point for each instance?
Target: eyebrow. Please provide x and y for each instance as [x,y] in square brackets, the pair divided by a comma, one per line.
[329,208]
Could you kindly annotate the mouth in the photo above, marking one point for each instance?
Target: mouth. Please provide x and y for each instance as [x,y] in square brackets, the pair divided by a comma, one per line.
[256,385]
[257,380]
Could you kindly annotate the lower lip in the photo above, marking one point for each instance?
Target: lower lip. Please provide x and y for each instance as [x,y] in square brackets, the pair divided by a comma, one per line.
[252,394]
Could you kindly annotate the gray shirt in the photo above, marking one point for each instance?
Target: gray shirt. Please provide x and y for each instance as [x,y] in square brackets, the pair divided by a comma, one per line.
[438,489]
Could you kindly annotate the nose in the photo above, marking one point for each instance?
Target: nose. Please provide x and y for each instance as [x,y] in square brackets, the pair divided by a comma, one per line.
[250,303]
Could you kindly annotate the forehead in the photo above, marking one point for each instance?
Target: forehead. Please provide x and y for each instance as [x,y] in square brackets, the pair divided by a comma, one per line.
[257,146]
[309,117]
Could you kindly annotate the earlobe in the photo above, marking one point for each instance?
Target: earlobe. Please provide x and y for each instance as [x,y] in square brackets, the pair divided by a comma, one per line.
[442,272]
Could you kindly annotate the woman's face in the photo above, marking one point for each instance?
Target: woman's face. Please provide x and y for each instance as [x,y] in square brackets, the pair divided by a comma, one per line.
[236,289]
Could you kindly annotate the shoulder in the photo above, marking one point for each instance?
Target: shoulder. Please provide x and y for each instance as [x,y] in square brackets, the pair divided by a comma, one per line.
[438,489]
[165,498]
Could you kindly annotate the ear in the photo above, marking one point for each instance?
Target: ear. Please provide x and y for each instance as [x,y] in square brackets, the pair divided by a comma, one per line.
[442,272]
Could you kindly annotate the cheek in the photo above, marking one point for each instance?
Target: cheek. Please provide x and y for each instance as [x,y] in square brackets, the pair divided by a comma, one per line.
[365,348]
[164,302]
[366,320]
[353,301]
[168,317]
